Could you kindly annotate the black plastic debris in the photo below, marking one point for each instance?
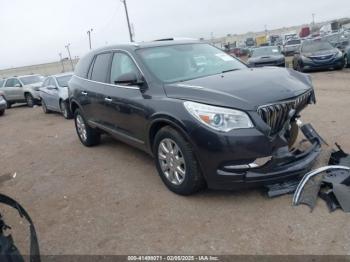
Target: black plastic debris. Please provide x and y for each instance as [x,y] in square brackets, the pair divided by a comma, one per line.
[330,199]
[287,187]
[331,183]
[339,157]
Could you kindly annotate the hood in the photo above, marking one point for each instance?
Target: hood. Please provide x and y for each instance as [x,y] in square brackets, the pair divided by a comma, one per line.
[245,89]
[321,53]
[39,84]
[267,58]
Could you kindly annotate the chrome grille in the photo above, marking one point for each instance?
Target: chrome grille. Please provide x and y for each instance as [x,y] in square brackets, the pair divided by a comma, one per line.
[275,115]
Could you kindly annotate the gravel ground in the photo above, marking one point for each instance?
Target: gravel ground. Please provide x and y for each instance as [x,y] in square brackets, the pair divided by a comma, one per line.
[110,200]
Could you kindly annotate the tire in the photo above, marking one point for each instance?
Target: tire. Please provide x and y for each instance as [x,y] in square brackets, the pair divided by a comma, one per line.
[299,68]
[346,61]
[65,110]
[44,107]
[9,105]
[179,171]
[30,100]
[88,136]
[2,112]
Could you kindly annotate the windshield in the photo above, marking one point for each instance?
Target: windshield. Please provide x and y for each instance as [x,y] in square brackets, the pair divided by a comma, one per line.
[27,80]
[293,42]
[1,82]
[266,51]
[313,46]
[63,80]
[188,61]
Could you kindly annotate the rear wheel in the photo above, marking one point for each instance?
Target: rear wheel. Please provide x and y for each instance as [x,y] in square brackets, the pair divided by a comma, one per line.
[176,162]
[29,100]
[2,112]
[87,135]
[65,110]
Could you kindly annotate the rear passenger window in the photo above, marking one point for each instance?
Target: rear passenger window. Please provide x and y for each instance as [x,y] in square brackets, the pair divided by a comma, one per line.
[10,82]
[100,68]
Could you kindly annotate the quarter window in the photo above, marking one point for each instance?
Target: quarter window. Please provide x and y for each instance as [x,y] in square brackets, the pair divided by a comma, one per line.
[100,67]
[122,64]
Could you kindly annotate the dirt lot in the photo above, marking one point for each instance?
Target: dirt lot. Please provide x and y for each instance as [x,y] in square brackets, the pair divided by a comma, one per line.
[110,200]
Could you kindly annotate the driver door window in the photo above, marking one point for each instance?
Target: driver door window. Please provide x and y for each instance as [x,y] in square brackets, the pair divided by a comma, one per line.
[122,64]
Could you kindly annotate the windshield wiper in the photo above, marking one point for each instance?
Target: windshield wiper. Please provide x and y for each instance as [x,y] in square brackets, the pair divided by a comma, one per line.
[229,70]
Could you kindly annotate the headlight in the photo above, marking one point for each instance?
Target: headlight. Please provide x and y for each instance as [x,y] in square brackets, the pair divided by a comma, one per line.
[305,58]
[218,118]
[339,54]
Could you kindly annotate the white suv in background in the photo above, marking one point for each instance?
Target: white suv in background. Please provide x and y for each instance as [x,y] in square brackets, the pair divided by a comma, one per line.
[22,89]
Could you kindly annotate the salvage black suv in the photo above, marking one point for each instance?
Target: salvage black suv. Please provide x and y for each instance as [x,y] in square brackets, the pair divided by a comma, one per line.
[207,118]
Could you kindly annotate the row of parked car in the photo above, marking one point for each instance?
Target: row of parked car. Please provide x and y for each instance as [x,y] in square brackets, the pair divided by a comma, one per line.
[312,54]
[51,92]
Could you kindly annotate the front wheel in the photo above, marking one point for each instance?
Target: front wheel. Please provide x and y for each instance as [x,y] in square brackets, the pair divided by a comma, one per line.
[87,135]
[65,110]
[2,112]
[30,100]
[176,163]
[44,107]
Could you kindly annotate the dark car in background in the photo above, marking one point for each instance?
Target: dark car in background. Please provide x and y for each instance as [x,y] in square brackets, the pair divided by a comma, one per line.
[267,56]
[54,94]
[316,55]
[206,117]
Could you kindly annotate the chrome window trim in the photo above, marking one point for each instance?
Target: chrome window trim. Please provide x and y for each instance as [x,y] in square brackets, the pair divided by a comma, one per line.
[89,80]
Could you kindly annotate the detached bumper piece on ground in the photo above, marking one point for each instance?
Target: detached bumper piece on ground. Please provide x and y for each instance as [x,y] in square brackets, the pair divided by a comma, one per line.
[331,183]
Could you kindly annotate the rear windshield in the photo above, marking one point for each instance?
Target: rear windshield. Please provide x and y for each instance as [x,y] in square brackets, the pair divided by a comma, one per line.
[187,61]
[313,46]
[294,42]
[63,80]
[27,80]
[265,51]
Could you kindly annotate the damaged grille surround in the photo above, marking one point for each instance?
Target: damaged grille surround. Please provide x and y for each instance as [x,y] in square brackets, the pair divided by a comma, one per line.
[275,115]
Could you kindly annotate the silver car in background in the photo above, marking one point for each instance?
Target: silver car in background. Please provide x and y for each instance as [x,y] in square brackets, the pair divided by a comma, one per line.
[291,46]
[54,94]
[22,89]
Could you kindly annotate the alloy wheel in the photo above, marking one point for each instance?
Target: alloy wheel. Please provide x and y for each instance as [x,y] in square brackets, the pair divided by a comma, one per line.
[172,161]
[81,127]
[29,100]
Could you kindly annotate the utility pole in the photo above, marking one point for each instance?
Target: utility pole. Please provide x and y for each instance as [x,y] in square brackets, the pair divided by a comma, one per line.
[70,57]
[313,20]
[61,59]
[89,34]
[127,19]
[265,29]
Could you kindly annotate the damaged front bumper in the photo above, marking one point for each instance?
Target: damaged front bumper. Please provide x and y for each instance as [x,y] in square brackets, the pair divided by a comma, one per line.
[283,165]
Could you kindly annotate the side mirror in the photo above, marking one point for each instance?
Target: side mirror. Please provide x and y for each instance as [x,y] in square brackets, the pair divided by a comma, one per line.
[128,79]
[18,85]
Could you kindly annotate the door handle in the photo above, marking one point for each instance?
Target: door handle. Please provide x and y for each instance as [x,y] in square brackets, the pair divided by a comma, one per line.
[108,99]
[84,93]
